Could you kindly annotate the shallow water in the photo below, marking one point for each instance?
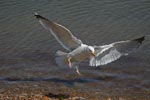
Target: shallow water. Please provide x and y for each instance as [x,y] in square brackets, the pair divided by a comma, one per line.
[27,50]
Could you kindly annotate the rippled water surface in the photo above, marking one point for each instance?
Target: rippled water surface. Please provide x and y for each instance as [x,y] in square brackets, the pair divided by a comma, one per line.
[27,50]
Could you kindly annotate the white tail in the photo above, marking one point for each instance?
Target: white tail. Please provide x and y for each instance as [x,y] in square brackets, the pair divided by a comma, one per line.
[61,59]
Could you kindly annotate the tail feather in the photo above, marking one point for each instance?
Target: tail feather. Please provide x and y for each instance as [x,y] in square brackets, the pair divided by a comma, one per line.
[60,53]
[61,59]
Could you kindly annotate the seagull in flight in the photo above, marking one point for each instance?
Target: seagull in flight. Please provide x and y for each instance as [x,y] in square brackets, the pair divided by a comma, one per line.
[77,51]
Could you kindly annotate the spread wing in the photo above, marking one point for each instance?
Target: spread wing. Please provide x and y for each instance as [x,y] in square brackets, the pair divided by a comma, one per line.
[109,53]
[61,33]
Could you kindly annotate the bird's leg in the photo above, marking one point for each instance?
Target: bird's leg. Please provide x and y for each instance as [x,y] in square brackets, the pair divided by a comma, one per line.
[77,70]
[69,62]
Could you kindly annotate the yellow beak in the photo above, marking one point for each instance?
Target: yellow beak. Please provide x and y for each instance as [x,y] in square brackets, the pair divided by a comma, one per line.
[94,54]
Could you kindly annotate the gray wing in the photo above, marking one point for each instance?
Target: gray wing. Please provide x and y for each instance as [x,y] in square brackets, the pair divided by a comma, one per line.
[61,33]
[112,52]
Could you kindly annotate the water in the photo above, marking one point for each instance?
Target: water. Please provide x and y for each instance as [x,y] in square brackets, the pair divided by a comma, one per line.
[27,50]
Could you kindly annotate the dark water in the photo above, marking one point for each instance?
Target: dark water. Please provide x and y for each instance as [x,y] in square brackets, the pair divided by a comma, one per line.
[27,50]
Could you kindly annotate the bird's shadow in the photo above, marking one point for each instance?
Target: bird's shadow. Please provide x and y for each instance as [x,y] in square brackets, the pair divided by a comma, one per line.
[67,82]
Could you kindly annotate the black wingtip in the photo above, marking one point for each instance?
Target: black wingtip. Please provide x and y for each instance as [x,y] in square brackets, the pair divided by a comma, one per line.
[38,16]
[140,40]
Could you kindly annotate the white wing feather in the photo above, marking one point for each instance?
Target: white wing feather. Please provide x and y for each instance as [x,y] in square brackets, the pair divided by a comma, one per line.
[109,53]
[102,59]
[64,36]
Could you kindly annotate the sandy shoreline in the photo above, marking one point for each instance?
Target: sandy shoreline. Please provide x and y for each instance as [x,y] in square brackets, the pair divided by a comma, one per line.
[70,94]
[62,97]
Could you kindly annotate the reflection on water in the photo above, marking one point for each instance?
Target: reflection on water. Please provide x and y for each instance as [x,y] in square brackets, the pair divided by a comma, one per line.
[27,50]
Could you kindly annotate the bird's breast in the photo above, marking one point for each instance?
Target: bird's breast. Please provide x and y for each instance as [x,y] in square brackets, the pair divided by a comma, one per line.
[80,56]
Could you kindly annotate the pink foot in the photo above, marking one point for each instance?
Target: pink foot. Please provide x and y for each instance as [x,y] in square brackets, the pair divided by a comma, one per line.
[70,65]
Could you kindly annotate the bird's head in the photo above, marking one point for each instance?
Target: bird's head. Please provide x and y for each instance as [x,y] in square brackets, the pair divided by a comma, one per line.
[92,51]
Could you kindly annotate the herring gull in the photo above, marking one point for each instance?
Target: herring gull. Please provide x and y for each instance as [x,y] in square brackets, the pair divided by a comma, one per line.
[76,51]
